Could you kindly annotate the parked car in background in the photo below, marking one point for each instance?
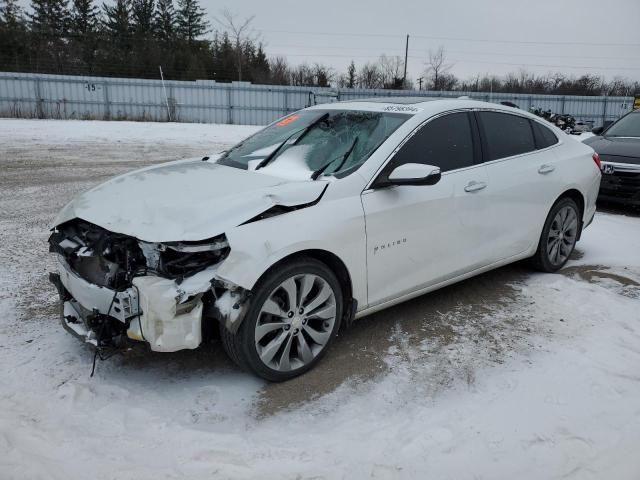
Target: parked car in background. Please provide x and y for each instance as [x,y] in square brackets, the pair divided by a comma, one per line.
[619,148]
[329,214]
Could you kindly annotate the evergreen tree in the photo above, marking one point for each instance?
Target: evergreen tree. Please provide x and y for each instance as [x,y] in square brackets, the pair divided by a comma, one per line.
[260,71]
[144,51]
[83,33]
[49,18]
[223,58]
[10,15]
[48,22]
[351,75]
[116,27]
[142,18]
[165,21]
[13,36]
[117,20]
[191,21]
[84,18]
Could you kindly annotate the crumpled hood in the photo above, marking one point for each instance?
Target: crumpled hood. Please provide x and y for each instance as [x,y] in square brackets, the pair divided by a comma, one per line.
[615,146]
[185,201]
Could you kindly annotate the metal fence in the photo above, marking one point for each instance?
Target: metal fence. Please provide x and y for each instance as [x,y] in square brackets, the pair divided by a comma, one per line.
[71,97]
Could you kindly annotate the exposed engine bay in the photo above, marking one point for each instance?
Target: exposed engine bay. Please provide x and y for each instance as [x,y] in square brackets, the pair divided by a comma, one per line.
[114,287]
[112,259]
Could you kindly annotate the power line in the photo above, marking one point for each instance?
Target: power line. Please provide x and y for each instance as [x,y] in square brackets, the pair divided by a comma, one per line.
[460,39]
[385,51]
[524,42]
[580,67]
[333,34]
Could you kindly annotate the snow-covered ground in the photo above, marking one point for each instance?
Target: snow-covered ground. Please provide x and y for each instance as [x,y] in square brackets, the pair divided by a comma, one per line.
[508,375]
[65,132]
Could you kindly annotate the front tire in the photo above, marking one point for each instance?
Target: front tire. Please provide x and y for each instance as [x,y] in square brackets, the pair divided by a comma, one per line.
[294,314]
[559,236]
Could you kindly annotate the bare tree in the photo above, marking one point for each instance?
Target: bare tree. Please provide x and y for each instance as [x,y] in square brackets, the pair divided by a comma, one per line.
[280,72]
[240,32]
[447,81]
[302,76]
[322,75]
[556,81]
[370,76]
[436,67]
[392,71]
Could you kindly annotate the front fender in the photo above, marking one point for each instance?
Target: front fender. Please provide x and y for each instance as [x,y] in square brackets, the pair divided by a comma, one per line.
[336,226]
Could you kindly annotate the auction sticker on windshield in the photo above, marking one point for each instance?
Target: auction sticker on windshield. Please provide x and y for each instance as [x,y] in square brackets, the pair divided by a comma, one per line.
[287,121]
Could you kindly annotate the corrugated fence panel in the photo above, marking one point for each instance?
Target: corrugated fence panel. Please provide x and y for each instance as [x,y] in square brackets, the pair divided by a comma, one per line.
[206,101]
[17,97]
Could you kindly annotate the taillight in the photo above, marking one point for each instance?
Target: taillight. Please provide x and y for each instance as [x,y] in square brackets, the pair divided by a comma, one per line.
[596,158]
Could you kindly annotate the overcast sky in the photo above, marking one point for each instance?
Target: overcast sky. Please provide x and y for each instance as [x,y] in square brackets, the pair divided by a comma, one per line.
[481,36]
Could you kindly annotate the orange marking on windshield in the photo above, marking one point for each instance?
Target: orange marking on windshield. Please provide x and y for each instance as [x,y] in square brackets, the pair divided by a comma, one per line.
[287,121]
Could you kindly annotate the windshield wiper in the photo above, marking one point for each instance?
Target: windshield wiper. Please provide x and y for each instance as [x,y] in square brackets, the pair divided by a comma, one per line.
[275,151]
[319,171]
[305,130]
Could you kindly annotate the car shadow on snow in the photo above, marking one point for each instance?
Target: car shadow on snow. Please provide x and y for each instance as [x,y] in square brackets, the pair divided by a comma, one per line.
[618,209]
[432,333]
[441,337]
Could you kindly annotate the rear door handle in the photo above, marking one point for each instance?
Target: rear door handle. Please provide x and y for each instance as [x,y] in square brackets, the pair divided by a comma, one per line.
[544,169]
[475,186]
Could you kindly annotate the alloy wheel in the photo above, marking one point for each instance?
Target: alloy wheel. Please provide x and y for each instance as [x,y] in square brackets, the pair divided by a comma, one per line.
[562,235]
[296,322]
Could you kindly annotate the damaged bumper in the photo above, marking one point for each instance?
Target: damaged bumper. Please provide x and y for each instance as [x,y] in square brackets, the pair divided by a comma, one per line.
[116,288]
[149,311]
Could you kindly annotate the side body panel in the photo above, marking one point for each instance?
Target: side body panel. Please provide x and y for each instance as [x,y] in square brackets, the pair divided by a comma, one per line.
[575,169]
[335,225]
[520,198]
[422,235]
[523,188]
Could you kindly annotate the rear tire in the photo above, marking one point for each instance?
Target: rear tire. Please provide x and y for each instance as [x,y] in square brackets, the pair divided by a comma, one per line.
[559,236]
[294,314]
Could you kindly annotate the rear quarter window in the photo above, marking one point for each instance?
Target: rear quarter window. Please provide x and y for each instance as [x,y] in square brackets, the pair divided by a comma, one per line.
[505,135]
[544,137]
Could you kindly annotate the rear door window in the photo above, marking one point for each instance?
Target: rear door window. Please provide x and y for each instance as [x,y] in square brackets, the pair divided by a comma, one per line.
[505,135]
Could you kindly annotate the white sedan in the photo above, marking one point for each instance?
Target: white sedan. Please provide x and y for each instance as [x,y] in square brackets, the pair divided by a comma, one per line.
[329,214]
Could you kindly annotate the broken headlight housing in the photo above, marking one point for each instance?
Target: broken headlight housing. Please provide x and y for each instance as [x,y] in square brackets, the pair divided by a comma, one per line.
[112,260]
[183,259]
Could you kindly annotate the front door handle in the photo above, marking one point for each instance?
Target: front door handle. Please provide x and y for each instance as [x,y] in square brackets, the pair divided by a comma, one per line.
[475,186]
[544,169]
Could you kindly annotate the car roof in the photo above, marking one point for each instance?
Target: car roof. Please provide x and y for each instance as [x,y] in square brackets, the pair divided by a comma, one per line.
[418,106]
[396,100]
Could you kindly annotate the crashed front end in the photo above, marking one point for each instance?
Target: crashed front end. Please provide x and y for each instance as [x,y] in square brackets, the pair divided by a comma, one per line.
[115,288]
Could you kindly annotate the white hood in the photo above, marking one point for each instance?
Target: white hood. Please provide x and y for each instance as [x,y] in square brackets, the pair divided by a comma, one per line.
[185,201]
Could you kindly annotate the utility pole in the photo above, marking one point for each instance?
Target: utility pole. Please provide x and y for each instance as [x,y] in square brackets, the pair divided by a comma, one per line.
[420,80]
[406,55]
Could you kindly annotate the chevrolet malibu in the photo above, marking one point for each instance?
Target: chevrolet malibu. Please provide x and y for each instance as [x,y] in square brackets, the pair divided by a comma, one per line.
[326,215]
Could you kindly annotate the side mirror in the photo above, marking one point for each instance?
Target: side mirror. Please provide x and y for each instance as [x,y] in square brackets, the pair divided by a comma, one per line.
[597,130]
[414,174]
